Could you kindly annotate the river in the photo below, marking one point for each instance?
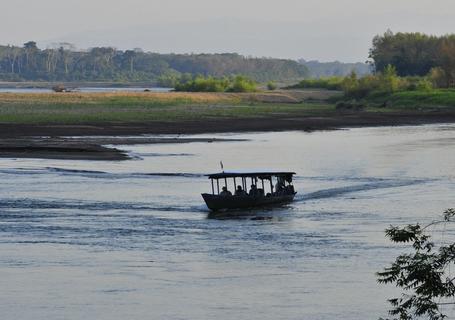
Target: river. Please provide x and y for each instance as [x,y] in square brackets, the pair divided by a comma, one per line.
[133,239]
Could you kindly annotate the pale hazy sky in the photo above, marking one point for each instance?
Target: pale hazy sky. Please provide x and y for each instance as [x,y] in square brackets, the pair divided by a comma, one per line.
[310,29]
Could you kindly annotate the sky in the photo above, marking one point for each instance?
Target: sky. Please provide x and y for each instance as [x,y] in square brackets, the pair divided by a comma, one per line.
[324,30]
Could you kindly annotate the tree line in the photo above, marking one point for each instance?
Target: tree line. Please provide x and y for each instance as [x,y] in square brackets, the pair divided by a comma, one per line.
[416,54]
[64,63]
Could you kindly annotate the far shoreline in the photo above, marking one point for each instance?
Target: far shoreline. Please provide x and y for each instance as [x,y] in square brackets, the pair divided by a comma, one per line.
[63,125]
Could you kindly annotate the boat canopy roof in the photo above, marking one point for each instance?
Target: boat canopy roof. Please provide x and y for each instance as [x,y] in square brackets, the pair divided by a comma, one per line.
[252,174]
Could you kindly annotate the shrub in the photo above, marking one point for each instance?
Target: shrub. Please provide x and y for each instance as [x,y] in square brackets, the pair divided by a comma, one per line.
[242,84]
[389,81]
[210,84]
[201,84]
[330,83]
[424,85]
[350,84]
[386,82]
[438,78]
[271,86]
[360,88]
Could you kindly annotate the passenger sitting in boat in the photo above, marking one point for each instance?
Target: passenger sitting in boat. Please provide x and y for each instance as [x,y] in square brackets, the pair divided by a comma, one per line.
[225,192]
[279,187]
[240,191]
[254,190]
[289,189]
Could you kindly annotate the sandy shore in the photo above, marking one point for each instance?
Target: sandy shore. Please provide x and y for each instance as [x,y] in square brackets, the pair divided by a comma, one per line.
[275,122]
[82,148]
[57,148]
[52,142]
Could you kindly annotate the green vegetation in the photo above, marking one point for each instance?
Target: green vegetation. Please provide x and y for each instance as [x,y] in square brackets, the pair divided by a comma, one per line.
[331,83]
[386,89]
[242,84]
[390,88]
[76,108]
[412,69]
[385,82]
[416,54]
[271,86]
[65,63]
[210,84]
[424,273]
[202,84]
[441,97]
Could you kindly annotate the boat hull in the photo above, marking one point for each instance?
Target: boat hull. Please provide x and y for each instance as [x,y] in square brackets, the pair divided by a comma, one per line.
[217,203]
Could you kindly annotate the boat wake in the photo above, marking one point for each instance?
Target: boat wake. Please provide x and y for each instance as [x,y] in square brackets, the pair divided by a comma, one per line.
[98,174]
[337,192]
[358,184]
[70,204]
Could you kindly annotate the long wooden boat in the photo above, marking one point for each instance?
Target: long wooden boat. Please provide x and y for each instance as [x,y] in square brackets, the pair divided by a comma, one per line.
[267,188]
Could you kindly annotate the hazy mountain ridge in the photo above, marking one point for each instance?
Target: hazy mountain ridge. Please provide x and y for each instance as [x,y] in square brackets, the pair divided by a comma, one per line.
[335,68]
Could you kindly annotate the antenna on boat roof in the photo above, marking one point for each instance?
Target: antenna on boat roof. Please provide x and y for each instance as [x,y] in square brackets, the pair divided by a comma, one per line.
[222,166]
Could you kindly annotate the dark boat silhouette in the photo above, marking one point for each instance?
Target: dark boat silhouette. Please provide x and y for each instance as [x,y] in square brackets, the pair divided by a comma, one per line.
[261,193]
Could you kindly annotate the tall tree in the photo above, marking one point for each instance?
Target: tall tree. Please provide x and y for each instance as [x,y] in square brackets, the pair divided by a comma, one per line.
[447,60]
[30,50]
[12,54]
[415,54]
[65,50]
[129,56]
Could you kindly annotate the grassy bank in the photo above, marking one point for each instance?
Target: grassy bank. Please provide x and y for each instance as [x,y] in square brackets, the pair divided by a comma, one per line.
[75,84]
[440,98]
[77,108]
[125,108]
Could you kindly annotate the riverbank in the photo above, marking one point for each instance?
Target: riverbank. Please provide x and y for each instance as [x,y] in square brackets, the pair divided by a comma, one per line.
[130,107]
[72,84]
[49,142]
[274,122]
[26,118]
[84,148]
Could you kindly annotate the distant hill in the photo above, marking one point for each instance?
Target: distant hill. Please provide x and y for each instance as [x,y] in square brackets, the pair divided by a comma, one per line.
[218,65]
[64,63]
[328,69]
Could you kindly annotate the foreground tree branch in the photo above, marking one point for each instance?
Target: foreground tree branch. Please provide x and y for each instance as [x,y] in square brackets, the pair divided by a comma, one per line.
[422,274]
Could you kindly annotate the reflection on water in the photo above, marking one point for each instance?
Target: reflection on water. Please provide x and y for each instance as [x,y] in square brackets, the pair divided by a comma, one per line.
[269,213]
[134,240]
